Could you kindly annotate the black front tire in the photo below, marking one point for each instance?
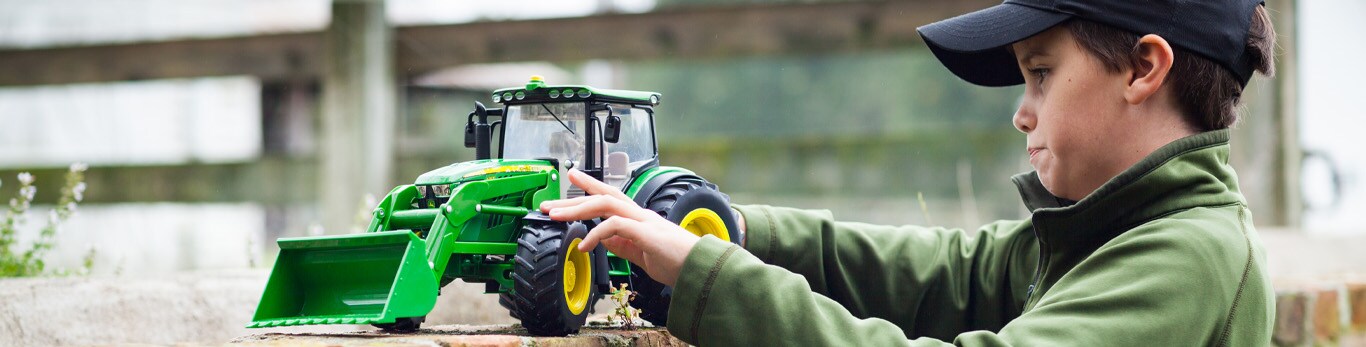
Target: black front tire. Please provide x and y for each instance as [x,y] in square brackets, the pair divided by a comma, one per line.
[402,325]
[673,201]
[538,295]
[506,300]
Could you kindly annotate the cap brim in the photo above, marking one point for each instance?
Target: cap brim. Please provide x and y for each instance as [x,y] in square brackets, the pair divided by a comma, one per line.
[973,46]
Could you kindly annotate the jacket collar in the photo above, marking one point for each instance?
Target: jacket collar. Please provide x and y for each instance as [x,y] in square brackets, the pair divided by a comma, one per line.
[1186,173]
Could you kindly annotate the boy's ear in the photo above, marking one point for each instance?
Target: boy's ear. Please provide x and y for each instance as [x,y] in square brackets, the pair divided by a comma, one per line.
[1153,59]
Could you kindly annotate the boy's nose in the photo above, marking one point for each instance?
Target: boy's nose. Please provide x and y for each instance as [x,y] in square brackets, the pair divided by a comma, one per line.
[1024,119]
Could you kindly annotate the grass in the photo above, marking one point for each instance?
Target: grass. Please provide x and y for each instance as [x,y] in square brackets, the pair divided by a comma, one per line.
[17,261]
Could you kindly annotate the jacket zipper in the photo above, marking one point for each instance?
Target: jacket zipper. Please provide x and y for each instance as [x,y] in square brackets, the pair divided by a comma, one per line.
[1038,271]
[1034,286]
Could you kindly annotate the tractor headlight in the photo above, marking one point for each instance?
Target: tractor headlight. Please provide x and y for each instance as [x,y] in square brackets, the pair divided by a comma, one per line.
[432,196]
[441,190]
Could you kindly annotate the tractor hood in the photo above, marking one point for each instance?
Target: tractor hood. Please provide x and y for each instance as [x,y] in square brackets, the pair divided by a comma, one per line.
[482,169]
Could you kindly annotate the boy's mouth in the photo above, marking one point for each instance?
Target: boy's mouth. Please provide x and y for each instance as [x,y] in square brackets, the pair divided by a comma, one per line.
[1034,151]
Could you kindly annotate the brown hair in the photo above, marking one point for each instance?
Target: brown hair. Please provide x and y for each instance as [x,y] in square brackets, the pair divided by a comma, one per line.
[1207,93]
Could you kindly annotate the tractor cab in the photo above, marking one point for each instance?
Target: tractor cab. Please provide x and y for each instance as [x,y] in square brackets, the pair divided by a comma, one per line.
[608,134]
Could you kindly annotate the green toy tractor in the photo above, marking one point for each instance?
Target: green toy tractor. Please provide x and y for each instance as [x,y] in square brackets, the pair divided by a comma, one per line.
[479,221]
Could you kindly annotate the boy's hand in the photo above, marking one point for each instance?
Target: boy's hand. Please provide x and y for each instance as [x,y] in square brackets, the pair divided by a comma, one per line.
[629,231]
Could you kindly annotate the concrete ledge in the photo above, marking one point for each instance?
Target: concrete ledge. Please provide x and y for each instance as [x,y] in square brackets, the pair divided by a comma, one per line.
[468,335]
[207,307]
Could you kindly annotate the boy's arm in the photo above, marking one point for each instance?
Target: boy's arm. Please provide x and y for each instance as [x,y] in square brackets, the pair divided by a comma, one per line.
[1149,290]
[929,281]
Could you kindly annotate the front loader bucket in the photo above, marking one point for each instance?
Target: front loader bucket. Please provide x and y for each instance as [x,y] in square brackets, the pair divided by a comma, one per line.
[366,278]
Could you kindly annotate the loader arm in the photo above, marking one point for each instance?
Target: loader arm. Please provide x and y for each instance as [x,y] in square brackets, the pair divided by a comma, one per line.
[442,240]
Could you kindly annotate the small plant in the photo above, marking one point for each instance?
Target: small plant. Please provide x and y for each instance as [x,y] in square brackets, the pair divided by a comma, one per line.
[364,213]
[624,312]
[923,208]
[14,263]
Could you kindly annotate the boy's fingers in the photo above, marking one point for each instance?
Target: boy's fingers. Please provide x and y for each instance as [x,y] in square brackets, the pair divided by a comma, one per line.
[553,204]
[597,206]
[612,227]
[592,207]
[625,249]
[592,186]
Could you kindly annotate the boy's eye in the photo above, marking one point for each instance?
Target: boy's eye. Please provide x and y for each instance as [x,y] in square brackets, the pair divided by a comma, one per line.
[1039,73]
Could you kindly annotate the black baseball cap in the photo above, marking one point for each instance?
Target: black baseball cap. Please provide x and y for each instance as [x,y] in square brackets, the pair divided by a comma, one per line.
[973,45]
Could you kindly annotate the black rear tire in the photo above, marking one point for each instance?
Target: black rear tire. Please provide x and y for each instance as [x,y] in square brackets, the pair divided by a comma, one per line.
[673,201]
[538,297]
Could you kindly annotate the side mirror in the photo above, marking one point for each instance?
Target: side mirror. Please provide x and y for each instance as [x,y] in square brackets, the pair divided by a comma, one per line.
[469,134]
[611,131]
[477,129]
[471,138]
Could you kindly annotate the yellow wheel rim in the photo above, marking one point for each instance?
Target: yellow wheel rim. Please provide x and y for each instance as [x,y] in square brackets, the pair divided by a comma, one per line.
[704,221]
[578,272]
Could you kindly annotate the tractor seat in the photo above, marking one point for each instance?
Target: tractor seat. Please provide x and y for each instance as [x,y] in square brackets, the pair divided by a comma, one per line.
[618,169]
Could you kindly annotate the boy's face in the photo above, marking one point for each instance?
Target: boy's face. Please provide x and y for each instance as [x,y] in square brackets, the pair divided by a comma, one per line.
[1071,114]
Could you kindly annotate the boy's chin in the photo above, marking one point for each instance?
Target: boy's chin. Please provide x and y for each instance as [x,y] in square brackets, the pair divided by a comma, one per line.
[1061,190]
[1050,185]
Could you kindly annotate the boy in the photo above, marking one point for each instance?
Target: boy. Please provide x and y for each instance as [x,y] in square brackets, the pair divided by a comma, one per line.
[1138,233]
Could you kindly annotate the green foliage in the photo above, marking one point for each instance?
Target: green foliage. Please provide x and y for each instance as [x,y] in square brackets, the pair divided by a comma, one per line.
[868,94]
[682,3]
[624,312]
[816,129]
[15,262]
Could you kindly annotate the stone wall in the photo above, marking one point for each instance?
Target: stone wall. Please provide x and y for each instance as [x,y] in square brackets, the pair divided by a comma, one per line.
[1320,282]
[1324,312]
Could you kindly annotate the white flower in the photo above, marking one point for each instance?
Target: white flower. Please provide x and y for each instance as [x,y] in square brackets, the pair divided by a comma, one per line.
[29,192]
[79,167]
[25,178]
[78,191]
[52,217]
[71,206]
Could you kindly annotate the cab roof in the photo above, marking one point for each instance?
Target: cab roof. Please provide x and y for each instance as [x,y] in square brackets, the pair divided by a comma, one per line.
[537,91]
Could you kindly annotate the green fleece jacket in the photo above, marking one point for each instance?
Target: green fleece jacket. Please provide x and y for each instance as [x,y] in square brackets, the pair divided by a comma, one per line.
[1163,254]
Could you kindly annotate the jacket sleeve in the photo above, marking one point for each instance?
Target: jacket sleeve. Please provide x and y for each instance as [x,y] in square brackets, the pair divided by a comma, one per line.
[928,281]
[854,284]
